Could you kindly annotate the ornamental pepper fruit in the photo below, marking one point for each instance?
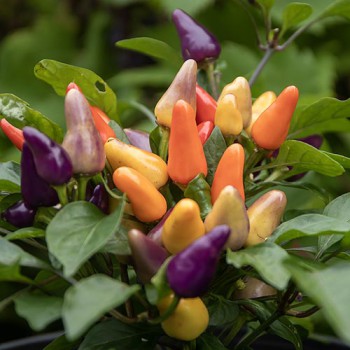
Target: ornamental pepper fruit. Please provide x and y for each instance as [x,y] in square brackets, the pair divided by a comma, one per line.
[148,164]
[265,215]
[102,115]
[183,87]
[139,139]
[190,272]
[155,234]
[14,134]
[186,157]
[189,319]
[229,209]
[241,89]
[36,192]
[228,117]
[100,198]
[147,203]
[254,288]
[196,41]
[183,226]
[52,162]
[101,125]
[204,130]
[229,171]
[271,128]
[147,256]
[82,140]
[19,215]
[206,106]
[260,105]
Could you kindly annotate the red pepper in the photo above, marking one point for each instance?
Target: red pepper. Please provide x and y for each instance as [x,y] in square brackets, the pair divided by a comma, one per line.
[204,130]
[101,124]
[14,134]
[206,106]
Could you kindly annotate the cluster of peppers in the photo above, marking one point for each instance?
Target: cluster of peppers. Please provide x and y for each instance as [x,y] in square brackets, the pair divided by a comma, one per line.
[189,242]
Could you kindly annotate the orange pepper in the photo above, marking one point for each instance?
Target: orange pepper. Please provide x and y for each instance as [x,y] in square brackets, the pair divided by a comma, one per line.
[229,171]
[147,203]
[204,130]
[206,106]
[271,128]
[186,157]
[100,113]
[102,126]
[14,134]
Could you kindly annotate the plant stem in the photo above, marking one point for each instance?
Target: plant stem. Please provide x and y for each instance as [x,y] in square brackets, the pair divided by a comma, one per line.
[167,312]
[62,194]
[252,160]
[268,53]
[164,142]
[209,69]
[302,314]
[120,317]
[82,183]
[125,278]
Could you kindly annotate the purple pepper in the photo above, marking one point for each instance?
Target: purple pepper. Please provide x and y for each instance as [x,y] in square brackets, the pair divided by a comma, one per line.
[156,233]
[196,41]
[190,272]
[19,215]
[100,198]
[52,162]
[36,192]
[139,139]
[147,255]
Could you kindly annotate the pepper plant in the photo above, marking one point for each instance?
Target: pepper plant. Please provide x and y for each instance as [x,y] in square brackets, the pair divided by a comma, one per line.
[180,238]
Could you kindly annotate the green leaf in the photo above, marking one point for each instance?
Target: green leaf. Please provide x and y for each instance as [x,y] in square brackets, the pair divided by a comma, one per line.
[20,114]
[338,8]
[266,259]
[266,4]
[10,177]
[191,7]
[26,232]
[293,14]
[342,160]
[154,139]
[329,289]
[152,47]
[95,89]
[221,310]
[213,150]
[199,190]
[309,225]
[61,343]
[89,299]
[119,132]
[339,208]
[304,157]
[38,309]
[78,231]
[209,342]
[12,273]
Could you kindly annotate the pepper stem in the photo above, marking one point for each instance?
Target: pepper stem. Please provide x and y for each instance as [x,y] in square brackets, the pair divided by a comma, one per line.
[82,183]
[209,68]
[167,312]
[62,193]
[164,142]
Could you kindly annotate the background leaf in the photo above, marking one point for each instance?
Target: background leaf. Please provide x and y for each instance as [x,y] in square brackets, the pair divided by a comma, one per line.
[338,8]
[26,232]
[209,342]
[293,14]
[10,178]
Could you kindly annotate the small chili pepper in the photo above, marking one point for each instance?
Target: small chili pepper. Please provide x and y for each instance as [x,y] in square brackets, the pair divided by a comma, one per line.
[147,256]
[101,114]
[36,192]
[147,203]
[186,157]
[147,163]
[228,117]
[138,139]
[271,128]
[204,130]
[52,162]
[241,89]
[265,215]
[72,86]
[229,209]
[14,134]
[155,234]
[229,171]
[196,41]
[206,106]
[19,215]
[101,125]
[82,140]
[100,198]
[190,272]
[183,226]
[183,87]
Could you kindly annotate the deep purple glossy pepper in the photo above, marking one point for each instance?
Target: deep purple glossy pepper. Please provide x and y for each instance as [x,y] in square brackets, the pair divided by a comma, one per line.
[196,41]
[139,139]
[147,255]
[19,215]
[52,162]
[100,198]
[156,233]
[190,271]
[36,192]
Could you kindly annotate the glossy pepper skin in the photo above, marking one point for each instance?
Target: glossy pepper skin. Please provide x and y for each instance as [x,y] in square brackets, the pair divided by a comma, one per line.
[82,140]
[186,157]
[52,162]
[190,272]
[271,128]
[155,234]
[100,198]
[229,209]
[102,127]
[206,106]
[183,226]
[19,215]
[147,163]
[197,42]
[147,202]
[229,171]
[36,192]
[265,215]
[139,139]
[188,321]
[14,134]
[183,87]
[204,130]
[147,256]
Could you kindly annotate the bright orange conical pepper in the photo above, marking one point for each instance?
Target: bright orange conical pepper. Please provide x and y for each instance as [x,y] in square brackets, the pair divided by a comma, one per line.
[14,134]
[102,126]
[186,157]
[206,106]
[229,171]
